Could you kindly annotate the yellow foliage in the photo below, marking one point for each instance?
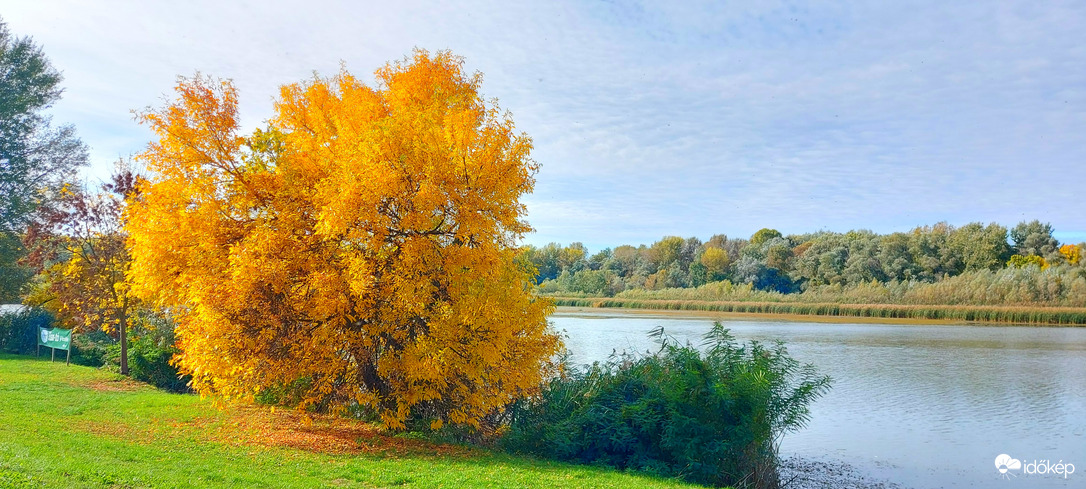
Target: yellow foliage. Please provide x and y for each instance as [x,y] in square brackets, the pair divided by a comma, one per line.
[80,252]
[1019,261]
[1072,253]
[715,260]
[359,251]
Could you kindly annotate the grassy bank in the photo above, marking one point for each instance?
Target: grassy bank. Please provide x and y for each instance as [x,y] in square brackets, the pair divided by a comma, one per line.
[81,427]
[1063,316]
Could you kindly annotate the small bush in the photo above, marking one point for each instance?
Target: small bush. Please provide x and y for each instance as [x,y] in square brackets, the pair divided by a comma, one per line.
[149,361]
[19,330]
[712,418]
[91,349]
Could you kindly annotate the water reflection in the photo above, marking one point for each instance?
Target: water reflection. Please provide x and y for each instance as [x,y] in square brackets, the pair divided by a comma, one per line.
[922,405]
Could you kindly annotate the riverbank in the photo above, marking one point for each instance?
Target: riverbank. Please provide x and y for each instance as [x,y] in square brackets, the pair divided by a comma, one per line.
[799,473]
[1024,315]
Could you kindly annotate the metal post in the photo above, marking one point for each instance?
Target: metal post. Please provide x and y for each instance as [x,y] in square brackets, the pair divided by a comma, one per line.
[54,355]
[68,360]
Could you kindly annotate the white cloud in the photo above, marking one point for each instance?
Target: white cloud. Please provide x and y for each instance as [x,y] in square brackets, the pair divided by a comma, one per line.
[663,118]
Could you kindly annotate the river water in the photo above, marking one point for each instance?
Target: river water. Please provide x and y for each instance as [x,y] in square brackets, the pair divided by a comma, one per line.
[919,405]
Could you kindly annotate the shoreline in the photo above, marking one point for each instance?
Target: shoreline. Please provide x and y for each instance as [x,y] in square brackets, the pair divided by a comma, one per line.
[754,316]
[808,473]
[832,312]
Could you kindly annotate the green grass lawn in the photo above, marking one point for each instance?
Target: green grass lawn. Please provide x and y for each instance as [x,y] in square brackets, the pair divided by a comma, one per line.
[72,427]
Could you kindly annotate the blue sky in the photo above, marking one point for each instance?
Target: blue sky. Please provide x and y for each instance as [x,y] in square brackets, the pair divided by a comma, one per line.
[663,118]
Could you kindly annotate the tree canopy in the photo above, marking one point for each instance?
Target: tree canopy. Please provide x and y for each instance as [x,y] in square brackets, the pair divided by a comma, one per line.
[77,247]
[35,158]
[359,253]
[795,263]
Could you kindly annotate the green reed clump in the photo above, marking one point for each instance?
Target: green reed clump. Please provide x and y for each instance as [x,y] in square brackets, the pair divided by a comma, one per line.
[713,415]
[1056,286]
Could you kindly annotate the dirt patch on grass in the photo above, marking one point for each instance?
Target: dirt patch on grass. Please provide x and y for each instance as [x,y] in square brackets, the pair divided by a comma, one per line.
[254,425]
[248,425]
[114,385]
[118,431]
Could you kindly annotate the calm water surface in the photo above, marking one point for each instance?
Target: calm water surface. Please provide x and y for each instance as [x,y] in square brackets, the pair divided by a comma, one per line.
[924,406]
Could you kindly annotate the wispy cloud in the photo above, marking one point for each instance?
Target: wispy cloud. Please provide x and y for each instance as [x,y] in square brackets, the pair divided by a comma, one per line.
[663,117]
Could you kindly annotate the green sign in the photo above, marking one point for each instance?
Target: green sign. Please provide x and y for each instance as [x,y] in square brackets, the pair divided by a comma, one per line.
[55,338]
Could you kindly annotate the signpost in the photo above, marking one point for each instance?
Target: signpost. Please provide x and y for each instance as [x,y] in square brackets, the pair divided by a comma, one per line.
[56,338]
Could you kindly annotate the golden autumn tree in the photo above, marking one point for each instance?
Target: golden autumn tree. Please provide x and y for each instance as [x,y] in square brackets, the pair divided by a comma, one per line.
[1071,253]
[715,260]
[358,252]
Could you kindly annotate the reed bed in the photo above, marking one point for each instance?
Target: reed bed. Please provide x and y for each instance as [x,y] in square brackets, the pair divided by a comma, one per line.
[1054,287]
[1033,315]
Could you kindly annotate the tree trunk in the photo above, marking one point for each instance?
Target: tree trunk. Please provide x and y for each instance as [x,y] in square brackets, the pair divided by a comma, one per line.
[124,344]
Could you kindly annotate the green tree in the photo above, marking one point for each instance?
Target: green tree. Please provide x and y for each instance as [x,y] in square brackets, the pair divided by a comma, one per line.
[1019,261]
[698,274]
[778,254]
[824,260]
[573,258]
[715,260]
[763,235]
[896,260]
[717,241]
[665,252]
[862,264]
[623,261]
[979,247]
[689,252]
[599,260]
[927,245]
[35,158]
[13,275]
[676,276]
[751,271]
[591,282]
[545,260]
[1035,238]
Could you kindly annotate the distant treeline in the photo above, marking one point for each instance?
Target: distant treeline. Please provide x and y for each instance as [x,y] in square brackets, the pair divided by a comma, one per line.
[939,264]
